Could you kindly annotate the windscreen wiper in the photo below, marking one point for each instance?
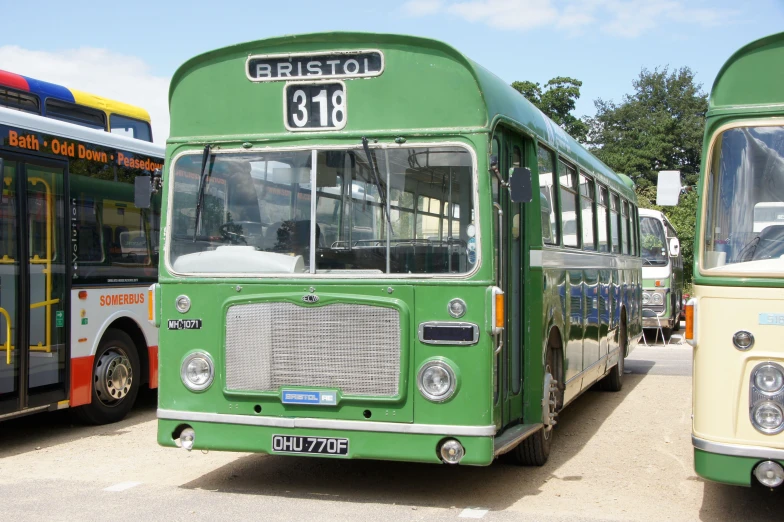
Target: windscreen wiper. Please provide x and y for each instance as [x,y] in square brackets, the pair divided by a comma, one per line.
[376,181]
[200,195]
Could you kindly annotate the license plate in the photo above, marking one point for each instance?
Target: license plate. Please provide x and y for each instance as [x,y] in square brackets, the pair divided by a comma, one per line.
[309,445]
[184,324]
[315,106]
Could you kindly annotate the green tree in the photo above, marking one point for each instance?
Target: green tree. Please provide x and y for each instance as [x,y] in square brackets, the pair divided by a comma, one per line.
[657,127]
[682,217]
[557,100]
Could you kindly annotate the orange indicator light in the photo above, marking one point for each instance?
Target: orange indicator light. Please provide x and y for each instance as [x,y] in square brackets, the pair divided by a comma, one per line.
[689,322]
[499,310]
[149,306]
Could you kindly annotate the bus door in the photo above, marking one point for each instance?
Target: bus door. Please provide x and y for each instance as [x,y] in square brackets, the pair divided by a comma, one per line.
[509,277]
[33,312]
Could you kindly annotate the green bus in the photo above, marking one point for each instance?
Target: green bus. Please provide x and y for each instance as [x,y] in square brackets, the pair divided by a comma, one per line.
[735,317]
[349,270]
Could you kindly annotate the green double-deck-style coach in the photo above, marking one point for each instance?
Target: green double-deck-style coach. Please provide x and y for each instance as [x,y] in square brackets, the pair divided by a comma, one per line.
[356,264]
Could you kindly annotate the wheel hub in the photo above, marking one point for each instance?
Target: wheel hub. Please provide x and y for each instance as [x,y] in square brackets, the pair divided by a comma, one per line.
[549,401]
[113,376]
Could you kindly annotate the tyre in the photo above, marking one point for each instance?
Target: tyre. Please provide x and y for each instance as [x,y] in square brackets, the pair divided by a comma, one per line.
[535,450]
[116,379]
[677,326]
[667,333]
[613,381]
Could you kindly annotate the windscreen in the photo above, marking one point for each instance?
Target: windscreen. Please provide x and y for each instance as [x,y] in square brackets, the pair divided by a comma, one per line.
[744,229]
[400,211]
[654,249]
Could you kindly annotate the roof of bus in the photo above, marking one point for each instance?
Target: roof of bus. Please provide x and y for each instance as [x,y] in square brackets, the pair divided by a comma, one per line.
[33,122]
[484,97]
[45,90]
[751,79]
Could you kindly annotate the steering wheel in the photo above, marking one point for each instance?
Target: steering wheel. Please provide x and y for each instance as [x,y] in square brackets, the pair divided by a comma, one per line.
[235,238]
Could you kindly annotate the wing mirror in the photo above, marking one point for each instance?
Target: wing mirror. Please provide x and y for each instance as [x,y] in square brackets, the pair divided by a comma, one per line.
[675,247]
[520,190]
[668,188]
[519,184]
[144,187]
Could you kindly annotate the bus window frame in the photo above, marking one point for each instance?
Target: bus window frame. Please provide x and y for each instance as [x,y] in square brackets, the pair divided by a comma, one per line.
[573,188]
[33,97]
[75,107]
[477,201]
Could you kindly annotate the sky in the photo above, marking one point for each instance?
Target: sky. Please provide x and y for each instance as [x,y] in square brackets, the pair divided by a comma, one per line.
[130,51]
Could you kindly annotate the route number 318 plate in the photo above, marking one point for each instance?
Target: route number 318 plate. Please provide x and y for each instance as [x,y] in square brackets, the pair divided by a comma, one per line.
[315,106]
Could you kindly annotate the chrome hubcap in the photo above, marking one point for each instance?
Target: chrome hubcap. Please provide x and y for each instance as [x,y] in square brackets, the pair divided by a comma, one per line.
[113,376]
[549,401]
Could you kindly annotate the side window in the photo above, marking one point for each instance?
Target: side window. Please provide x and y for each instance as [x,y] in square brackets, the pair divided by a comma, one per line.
[586,208]
[21,101]
[70,112]
[601,218]
[625,241]
[569,223]
[633,225]
[546,196]
[113,238]
[615,241]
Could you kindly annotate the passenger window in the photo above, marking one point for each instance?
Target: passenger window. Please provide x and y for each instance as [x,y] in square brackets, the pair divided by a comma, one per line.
[586,208]
[546,196]
[601,219]
[569,221]
[614,231]
[625,227]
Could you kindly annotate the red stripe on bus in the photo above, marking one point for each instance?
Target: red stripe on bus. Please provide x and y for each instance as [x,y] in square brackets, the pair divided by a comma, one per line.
[81,380]
[15,81]
[152,352]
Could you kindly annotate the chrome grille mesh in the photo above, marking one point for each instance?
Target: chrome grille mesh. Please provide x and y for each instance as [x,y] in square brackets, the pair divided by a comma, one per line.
[355,348]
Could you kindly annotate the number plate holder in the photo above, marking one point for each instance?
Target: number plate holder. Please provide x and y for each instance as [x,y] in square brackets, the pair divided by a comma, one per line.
[300,444]
[314,106]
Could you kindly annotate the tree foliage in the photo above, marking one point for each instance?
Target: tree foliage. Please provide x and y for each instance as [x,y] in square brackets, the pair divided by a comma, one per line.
[557,100]
[657,127]
[682,217]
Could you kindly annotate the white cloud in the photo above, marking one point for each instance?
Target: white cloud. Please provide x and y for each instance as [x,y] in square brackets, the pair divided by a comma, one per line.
[422,7]
[97,71]
[623,18]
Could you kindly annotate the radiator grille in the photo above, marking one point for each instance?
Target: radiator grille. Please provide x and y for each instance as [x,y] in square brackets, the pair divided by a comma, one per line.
[355,348]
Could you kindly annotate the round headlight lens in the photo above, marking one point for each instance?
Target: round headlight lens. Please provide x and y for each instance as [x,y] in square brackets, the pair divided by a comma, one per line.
[646,298]
[183,303]
[657,299]
[768,417]
[436,381]
[743,340]
[197,371]
[768,378]
[457,308]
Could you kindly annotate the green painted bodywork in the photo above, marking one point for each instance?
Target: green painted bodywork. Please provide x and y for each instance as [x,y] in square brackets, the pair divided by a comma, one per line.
[427,93]
[748,87]
[725,468]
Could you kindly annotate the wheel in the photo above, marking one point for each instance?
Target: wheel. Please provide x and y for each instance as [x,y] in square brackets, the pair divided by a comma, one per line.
[613,381]
[535,450]
[677,326]
[116,376]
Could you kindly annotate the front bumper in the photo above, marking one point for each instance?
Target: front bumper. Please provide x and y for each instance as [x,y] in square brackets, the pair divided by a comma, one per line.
[367,440]
[730,463]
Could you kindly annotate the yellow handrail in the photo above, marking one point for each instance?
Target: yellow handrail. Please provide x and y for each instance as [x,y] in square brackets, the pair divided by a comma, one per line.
[7,335]
[48,262]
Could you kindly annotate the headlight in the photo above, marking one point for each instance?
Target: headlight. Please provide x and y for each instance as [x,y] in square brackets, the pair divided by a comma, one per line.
[768,378]
[657,299]
[197,371]
[768,417]
[646,298]
[436,381]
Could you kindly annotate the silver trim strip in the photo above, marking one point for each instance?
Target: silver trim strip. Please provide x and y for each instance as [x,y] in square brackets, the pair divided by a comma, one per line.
[514,436]
[557,257]
[328,424]
[26,411]
[737,450]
